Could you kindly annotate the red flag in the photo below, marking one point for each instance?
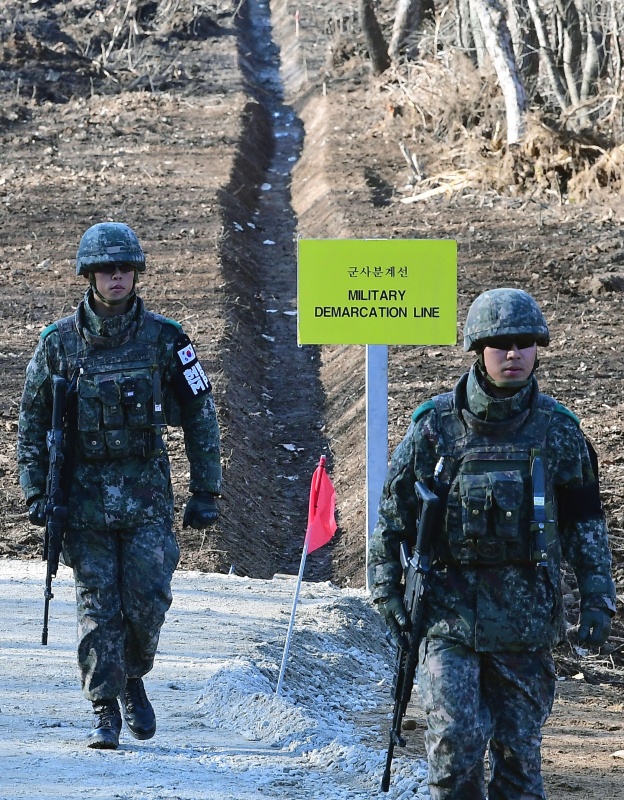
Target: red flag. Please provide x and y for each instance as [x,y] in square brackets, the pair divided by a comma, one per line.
[321,520]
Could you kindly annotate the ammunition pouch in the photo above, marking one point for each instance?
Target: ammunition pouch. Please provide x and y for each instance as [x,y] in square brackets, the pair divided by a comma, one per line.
[489,507]
[116,417]
[484,511]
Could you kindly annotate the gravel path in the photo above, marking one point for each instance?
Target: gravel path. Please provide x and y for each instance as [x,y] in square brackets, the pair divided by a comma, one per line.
[222,732]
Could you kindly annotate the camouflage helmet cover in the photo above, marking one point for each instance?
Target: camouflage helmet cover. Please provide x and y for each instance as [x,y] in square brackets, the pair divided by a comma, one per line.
[504,312]
[109,243]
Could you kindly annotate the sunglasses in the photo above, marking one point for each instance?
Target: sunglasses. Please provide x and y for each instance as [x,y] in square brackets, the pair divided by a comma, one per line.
[521,342]
[110,269]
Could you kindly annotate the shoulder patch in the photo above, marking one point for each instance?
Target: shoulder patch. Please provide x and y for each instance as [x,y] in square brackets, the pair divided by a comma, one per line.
[189,379]
[47,331]
[422,410]
[162,320]
[167,320]
[561,409]
[175,324]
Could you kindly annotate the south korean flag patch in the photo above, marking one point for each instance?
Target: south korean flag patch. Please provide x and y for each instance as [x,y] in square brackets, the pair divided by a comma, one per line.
[187,354]
[190,380]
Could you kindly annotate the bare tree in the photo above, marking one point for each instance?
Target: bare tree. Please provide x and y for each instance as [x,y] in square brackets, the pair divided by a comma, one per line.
[407,20]
[594,52]
[575,51]
[572,46]
[463,27]
[565,55]
[497,39]
[375,42]
[524,40]
[616,24]
[479,40]
[547,56]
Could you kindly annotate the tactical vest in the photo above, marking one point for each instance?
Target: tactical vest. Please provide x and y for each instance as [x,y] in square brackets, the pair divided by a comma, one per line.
[489,510]
[118,392]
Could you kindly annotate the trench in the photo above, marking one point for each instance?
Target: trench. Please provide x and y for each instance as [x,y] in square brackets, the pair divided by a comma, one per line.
[281,397]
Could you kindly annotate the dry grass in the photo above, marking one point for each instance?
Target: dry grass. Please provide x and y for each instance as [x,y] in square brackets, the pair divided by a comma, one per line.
[459,117]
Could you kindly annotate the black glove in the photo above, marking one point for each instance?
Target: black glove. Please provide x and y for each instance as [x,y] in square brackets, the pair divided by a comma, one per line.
[595,627]
[201,511]
[393,611]
[36,512]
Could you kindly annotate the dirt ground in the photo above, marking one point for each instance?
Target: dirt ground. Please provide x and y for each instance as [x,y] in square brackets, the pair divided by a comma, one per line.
[221,131]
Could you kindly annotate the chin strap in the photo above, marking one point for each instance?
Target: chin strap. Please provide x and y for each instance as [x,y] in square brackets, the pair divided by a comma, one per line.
[112,302]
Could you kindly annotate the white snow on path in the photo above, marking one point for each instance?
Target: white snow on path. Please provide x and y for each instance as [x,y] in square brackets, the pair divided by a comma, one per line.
[222,733]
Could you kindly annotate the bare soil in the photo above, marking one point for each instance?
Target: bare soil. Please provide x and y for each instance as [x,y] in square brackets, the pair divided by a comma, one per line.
[175,118]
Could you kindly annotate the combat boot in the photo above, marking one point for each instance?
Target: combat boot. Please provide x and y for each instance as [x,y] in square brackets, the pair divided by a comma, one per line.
[137,710]
[105,734]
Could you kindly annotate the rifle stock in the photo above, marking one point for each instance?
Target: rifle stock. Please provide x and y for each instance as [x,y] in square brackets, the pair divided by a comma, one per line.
[415,573]
[55,509]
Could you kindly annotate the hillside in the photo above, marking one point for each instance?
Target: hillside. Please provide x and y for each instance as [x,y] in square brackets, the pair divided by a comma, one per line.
[222,131]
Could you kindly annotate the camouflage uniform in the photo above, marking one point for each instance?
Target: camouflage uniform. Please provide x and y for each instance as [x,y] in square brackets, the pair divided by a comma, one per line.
[131,373]
[492,615]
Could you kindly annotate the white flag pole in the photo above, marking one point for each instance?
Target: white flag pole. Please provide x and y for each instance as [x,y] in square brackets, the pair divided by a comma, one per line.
[292,619]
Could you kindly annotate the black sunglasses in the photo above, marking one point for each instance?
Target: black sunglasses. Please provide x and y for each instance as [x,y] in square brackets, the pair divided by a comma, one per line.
[522,342]
[110,269]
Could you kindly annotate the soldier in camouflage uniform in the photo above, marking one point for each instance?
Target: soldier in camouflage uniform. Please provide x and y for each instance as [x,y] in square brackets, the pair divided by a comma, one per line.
[494,607]
[130,372]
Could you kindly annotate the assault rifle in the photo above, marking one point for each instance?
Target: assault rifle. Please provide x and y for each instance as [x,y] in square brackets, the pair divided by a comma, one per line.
[415,574]
[55,507]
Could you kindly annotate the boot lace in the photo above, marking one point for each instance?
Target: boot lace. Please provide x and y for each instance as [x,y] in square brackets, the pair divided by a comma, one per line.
[107,713]
[135,695]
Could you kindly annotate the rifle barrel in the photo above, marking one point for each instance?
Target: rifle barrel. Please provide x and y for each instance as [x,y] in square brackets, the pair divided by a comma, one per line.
[46,611]
[385,780]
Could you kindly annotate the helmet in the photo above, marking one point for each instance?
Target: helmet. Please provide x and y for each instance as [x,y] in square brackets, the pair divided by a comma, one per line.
[109,243]
[504,312]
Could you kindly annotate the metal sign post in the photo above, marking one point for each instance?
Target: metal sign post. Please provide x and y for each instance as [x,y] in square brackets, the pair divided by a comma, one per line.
[376,433]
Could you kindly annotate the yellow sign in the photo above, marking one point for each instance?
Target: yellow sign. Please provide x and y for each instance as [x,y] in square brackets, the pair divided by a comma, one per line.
[377,291]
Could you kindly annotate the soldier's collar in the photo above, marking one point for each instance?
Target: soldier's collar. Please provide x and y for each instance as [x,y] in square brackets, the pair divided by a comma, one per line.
[486,407]
[107,331]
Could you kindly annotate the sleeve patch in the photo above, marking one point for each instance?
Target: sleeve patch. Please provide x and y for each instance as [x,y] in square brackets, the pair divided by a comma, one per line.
[579,504]
[189,379]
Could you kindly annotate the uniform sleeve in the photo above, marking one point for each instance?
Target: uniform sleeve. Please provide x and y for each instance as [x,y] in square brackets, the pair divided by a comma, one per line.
[414,459]
[35,418]
[202,444]
[583,527]
[187,388]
